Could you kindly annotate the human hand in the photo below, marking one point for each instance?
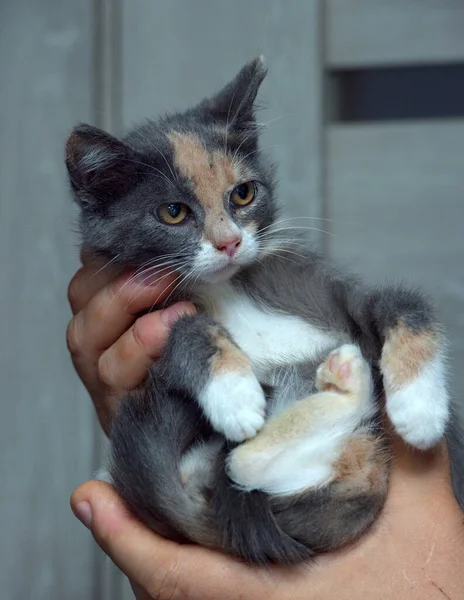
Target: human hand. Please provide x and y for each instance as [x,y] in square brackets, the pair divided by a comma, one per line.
[415,551]
[110,347]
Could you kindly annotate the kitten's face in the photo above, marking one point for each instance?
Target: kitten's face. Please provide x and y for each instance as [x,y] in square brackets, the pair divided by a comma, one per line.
[190,193]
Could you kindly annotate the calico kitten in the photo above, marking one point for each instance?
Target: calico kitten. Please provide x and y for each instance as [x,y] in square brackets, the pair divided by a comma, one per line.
[258,432]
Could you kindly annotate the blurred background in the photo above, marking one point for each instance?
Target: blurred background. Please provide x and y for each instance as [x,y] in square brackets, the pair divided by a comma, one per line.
[366,123]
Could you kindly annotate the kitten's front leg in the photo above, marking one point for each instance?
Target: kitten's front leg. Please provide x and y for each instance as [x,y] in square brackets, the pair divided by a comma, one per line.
[202,359]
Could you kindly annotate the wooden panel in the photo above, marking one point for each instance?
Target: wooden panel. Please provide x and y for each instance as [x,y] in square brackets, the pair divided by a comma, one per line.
[47,425]
[173,56]
[404,186]
[375,32]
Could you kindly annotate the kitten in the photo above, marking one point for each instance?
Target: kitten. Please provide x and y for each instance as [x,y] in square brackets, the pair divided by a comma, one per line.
[258,432]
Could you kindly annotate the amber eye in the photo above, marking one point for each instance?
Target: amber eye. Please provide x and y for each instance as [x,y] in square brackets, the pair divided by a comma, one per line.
[243,194]
[173,213]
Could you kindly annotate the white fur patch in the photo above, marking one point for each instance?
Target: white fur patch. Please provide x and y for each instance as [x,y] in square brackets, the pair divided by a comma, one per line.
[266,337]
[235,404]
[197,465]
[420,410]
[214,266]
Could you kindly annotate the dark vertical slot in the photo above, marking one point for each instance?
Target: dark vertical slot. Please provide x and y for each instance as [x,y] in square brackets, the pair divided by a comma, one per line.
[398,93]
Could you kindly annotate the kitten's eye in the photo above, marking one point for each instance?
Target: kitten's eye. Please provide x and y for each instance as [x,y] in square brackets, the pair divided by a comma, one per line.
[243,194]
[173,213]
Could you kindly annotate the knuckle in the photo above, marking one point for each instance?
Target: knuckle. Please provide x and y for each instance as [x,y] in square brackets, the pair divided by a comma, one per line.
[139,335]
[106,369]
[74,289]
[149,335]
[73,337]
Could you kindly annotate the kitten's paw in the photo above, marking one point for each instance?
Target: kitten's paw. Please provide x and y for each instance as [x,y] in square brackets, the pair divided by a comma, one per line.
[344,370]
[277,470]
[235,405]
[419,411]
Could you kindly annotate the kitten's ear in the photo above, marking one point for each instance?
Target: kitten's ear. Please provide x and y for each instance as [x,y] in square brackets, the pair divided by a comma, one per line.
[234,103]
[99,165]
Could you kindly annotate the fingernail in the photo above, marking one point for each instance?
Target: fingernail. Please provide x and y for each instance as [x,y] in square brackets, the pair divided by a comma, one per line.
[83,512]
[173,313]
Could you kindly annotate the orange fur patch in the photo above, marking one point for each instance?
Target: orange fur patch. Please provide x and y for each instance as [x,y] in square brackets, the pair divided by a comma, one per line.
[296,421]
[229,358]
[405,353]
[212,175]
[362,465]
[290,425]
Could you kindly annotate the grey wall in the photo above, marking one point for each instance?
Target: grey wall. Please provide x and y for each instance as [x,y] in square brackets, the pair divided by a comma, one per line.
[392,194]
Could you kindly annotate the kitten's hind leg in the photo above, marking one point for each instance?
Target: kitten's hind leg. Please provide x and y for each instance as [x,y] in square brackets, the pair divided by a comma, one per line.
[299,448]
[412,360]
[414,377]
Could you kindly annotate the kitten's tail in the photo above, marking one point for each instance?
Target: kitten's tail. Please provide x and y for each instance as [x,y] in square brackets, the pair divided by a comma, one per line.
[149,436]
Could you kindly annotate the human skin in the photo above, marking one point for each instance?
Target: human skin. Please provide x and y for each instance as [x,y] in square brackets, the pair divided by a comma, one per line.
[414,551]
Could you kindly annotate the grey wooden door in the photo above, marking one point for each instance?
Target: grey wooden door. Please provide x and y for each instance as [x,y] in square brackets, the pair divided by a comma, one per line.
[390,193]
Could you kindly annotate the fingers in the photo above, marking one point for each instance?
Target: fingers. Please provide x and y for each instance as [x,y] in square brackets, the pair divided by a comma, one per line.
[124,365]
[163,569]
[111,349]
[111,311]
[107,316]
[87,281]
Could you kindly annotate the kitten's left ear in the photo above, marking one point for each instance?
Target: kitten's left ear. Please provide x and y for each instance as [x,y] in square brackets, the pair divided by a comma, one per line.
[234,103]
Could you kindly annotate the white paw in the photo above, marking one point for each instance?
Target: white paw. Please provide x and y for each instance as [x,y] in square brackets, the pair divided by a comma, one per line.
[280,471]
[346,370]
[419,411]
[235,405]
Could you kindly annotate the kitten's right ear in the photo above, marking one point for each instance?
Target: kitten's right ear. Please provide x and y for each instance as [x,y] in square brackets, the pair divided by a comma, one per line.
[234,104]
[100,166]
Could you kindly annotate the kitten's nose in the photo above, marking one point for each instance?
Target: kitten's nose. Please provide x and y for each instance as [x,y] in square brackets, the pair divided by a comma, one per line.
[230,246]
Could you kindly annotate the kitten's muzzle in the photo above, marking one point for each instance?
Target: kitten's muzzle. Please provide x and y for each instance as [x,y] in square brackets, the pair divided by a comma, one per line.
[229,247]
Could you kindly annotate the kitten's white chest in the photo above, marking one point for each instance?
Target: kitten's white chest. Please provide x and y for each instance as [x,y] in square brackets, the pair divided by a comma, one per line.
[265,336]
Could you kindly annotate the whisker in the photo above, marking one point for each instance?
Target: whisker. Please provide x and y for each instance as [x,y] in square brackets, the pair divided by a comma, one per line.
[151,261]
[241,144]
[300,227]
[313,219]
[283,257]
[134,277]
[182,280]
[137,162]
[267,123]
[174,177]
[227,120]
[289,252]
[149,269]
[105,266]
[242,159]
[132,299]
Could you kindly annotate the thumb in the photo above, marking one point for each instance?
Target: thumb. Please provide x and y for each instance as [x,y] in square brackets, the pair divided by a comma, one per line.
[149,561]
[157,567]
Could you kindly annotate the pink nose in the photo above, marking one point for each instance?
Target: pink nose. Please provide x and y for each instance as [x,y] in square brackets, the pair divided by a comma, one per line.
[230,247]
